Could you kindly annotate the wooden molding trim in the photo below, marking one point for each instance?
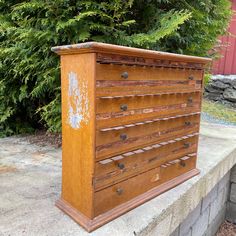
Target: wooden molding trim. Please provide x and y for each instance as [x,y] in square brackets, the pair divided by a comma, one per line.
[115,49]
[92,224]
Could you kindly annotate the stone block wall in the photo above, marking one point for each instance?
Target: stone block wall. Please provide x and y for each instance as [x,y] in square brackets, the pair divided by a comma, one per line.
[231,205]
[222,89]
[210,213]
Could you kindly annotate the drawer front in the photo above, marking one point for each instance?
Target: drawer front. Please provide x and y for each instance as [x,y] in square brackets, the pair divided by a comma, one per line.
[112,80]
[136,103]
[118,168]
[117,194]
[112,142]
[118,111]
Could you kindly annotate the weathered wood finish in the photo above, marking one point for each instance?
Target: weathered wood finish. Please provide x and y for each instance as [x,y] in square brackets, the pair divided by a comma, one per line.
[140,136]
[108,171]
[130,123]
[144,73]
[105,58]
[144,108]
[145,80]
[128,189]
[78,166]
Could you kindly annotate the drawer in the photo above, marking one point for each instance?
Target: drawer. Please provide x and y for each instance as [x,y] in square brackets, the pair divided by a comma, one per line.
[177,167]
[119,193]
[119,111]
[111,142]
[115,169]
[115,80]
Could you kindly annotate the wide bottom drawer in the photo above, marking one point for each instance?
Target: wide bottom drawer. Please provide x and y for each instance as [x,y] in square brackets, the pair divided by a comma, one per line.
[117,194]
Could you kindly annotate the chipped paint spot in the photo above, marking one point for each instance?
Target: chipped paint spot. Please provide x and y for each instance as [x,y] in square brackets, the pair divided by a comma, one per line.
[78,105]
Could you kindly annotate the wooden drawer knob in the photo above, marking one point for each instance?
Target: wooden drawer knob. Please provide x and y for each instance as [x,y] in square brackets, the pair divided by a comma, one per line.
[190,100]
[121,166]
[186,145]
[123,137]
[191,77]
[187,123]
[182,163]
[124,107]
[119,191]
[125,75]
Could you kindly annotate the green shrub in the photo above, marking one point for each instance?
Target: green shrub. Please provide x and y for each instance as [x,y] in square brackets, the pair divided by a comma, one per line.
[29,71]
[207,79]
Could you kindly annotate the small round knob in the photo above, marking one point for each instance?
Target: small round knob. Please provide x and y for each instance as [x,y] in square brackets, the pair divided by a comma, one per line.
[191,77]
[190,99]
[182,163]
[121,166]
[119,191]
[125,75]
[186,145]
[123,137]
[124,107]
[187,123]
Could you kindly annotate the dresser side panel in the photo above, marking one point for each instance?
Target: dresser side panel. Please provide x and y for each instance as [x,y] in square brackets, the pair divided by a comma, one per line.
[78,130]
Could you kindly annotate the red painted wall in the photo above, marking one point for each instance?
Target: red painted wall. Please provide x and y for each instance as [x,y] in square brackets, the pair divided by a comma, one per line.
[226,65]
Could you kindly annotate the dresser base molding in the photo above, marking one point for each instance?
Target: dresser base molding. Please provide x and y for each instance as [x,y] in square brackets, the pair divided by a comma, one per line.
[104,218]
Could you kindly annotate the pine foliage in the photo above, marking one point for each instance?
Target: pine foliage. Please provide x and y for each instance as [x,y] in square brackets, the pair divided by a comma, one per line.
[29,71]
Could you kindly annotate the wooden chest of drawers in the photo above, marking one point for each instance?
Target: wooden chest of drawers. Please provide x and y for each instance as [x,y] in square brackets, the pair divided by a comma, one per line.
[130,123]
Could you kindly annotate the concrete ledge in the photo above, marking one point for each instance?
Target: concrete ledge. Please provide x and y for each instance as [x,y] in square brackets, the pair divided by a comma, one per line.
[217,155]
[33,185]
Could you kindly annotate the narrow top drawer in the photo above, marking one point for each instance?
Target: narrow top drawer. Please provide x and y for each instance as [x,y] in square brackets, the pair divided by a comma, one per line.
[124,73]
[122,80]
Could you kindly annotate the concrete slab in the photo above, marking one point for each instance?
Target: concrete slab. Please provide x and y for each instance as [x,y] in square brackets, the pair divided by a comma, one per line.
[30,182]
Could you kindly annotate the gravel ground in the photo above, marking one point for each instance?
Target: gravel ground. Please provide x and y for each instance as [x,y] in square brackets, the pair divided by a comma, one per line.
[208,118]
[43,138]
[227,229]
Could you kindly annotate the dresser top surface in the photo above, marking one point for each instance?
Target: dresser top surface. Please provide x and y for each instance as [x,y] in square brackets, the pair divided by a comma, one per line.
[95,47]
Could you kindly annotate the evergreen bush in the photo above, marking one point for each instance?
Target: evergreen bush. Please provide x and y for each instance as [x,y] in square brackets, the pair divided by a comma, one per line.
[29,71]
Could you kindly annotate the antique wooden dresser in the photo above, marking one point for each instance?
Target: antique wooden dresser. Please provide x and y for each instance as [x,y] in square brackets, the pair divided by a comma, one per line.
[130,123]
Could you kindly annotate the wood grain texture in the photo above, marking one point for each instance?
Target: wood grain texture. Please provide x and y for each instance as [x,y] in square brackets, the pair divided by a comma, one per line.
[126,165]
[120,80]
[119,193]
[117,88]
[124,133]
[110,113]
[78,136]
[132,60]
[144,102]
[114,72]
[138,138]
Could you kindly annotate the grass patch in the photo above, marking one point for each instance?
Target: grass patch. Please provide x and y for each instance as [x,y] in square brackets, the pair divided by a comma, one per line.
[219,111]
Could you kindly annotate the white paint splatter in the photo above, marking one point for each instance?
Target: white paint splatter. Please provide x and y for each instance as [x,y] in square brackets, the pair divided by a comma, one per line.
[78,105]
